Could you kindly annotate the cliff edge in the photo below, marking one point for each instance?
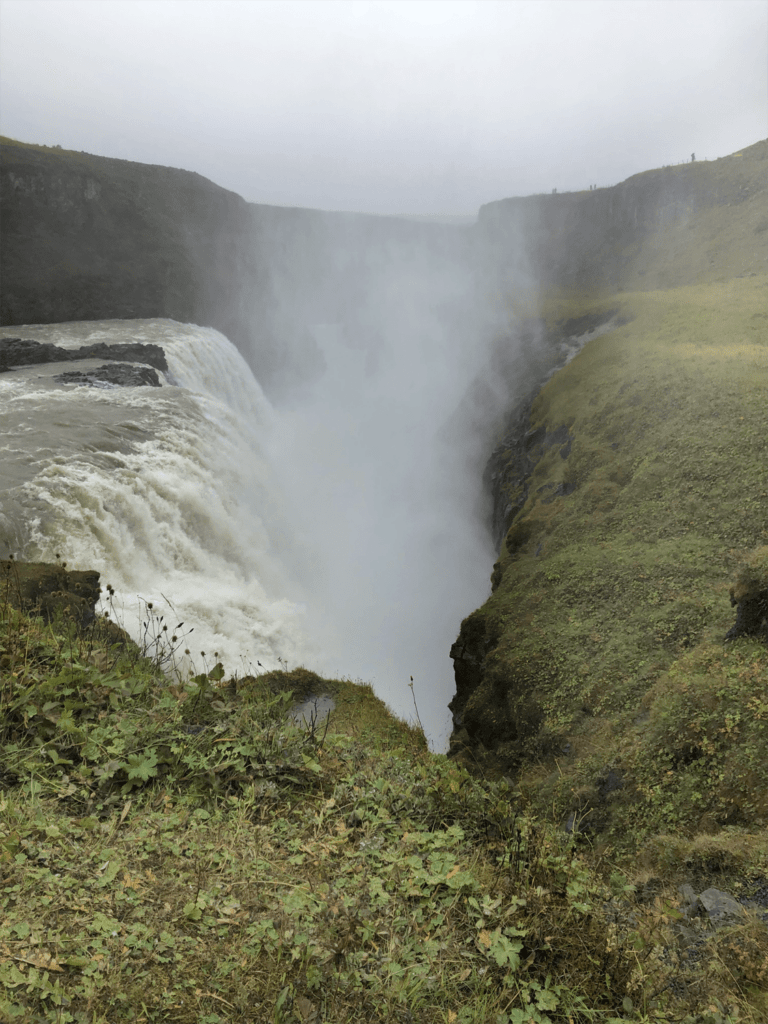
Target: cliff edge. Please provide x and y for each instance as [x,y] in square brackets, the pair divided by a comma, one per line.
[92,238]
[596,676]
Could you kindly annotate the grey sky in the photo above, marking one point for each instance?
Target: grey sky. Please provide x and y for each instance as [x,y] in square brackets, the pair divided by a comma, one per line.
[389,107]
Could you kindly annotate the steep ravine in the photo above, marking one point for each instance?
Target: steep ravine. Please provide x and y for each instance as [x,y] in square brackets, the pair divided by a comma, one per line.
[630,496]
[627,490]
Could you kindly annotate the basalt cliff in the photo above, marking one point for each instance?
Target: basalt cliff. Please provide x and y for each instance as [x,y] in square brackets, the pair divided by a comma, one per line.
[91,238]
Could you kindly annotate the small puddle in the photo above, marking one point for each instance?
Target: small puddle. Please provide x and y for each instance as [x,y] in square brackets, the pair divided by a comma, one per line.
[315,708]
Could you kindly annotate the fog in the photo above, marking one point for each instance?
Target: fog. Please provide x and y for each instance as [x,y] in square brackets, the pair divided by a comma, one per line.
[383,474]
[403,107]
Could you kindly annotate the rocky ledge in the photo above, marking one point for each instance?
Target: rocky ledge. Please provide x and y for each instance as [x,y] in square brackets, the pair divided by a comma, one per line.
[112,375]
[16,352]
[50,588]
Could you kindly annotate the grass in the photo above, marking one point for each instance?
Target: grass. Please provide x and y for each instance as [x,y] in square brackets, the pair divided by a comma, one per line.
[176,849]
[608,622]
[179,850]
[607,692]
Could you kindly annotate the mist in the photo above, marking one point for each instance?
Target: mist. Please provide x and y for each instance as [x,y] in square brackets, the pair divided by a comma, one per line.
[408,107]
[380,456]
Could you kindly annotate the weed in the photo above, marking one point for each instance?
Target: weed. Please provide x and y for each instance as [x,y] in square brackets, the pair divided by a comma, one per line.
[183,848]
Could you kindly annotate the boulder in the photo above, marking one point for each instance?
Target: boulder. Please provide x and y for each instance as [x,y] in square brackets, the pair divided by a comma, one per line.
[115,374]
[721,909]
[50,588]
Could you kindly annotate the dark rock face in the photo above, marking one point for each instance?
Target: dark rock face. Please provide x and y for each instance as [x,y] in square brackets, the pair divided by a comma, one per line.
[22,352]
[468,655]
[91,238]
[138,352]
[47,589]
[88,238]
[116,374]
[514,458]
[749,596]
[751,617]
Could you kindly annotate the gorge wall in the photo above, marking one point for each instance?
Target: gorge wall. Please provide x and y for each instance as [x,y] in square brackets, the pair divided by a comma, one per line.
[631,491]
[91,238]
[635,234]
[88,238]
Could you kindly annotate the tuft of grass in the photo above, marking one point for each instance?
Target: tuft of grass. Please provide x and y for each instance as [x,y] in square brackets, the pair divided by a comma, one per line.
[607,692]
[178,849]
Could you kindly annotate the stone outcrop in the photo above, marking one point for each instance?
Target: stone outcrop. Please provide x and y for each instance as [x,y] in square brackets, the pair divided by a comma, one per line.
[23,352]
[749,595]
[113,375]
[49,589]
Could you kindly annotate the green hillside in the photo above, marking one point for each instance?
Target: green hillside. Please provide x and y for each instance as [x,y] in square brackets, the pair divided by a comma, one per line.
[606,627]
[597,675]
[182,851]
[187,853]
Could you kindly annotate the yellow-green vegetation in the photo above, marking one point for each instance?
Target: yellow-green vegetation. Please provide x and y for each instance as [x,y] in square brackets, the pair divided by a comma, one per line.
[719,236]
[615,700]
[179,850]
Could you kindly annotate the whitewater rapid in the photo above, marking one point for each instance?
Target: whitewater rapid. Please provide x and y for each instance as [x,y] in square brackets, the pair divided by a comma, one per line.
[165,491]
[334,532]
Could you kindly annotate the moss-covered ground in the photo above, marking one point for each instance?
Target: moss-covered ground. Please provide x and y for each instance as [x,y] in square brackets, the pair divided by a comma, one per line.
[608,660]
[179,850]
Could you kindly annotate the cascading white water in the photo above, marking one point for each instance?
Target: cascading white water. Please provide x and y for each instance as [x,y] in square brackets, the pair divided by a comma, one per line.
[337,532]
[166,491]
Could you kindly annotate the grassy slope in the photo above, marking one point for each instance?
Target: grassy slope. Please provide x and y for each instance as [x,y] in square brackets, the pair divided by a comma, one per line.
[629,591]
[608,623]
[249,871]
[182,852]
[724,237]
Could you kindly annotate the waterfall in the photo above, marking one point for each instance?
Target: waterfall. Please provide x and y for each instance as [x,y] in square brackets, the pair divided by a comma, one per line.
[166,491]
[335,531]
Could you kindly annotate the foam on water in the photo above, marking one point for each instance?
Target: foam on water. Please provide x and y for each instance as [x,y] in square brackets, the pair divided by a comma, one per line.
[340,531]
[164,491]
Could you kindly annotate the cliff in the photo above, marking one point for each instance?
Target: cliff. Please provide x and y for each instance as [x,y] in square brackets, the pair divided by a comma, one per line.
[632,489]
[677,225]
[89,238]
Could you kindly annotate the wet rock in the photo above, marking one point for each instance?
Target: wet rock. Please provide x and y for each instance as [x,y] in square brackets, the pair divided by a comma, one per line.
[133,352]
[24,352]
[48,589]
[689,899]
[112,374]
[468,654]
[313,711]
[749,595]
[609,783]
[720,908]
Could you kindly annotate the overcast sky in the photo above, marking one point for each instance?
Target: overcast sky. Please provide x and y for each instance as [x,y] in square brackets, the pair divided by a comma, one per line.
[398,106]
